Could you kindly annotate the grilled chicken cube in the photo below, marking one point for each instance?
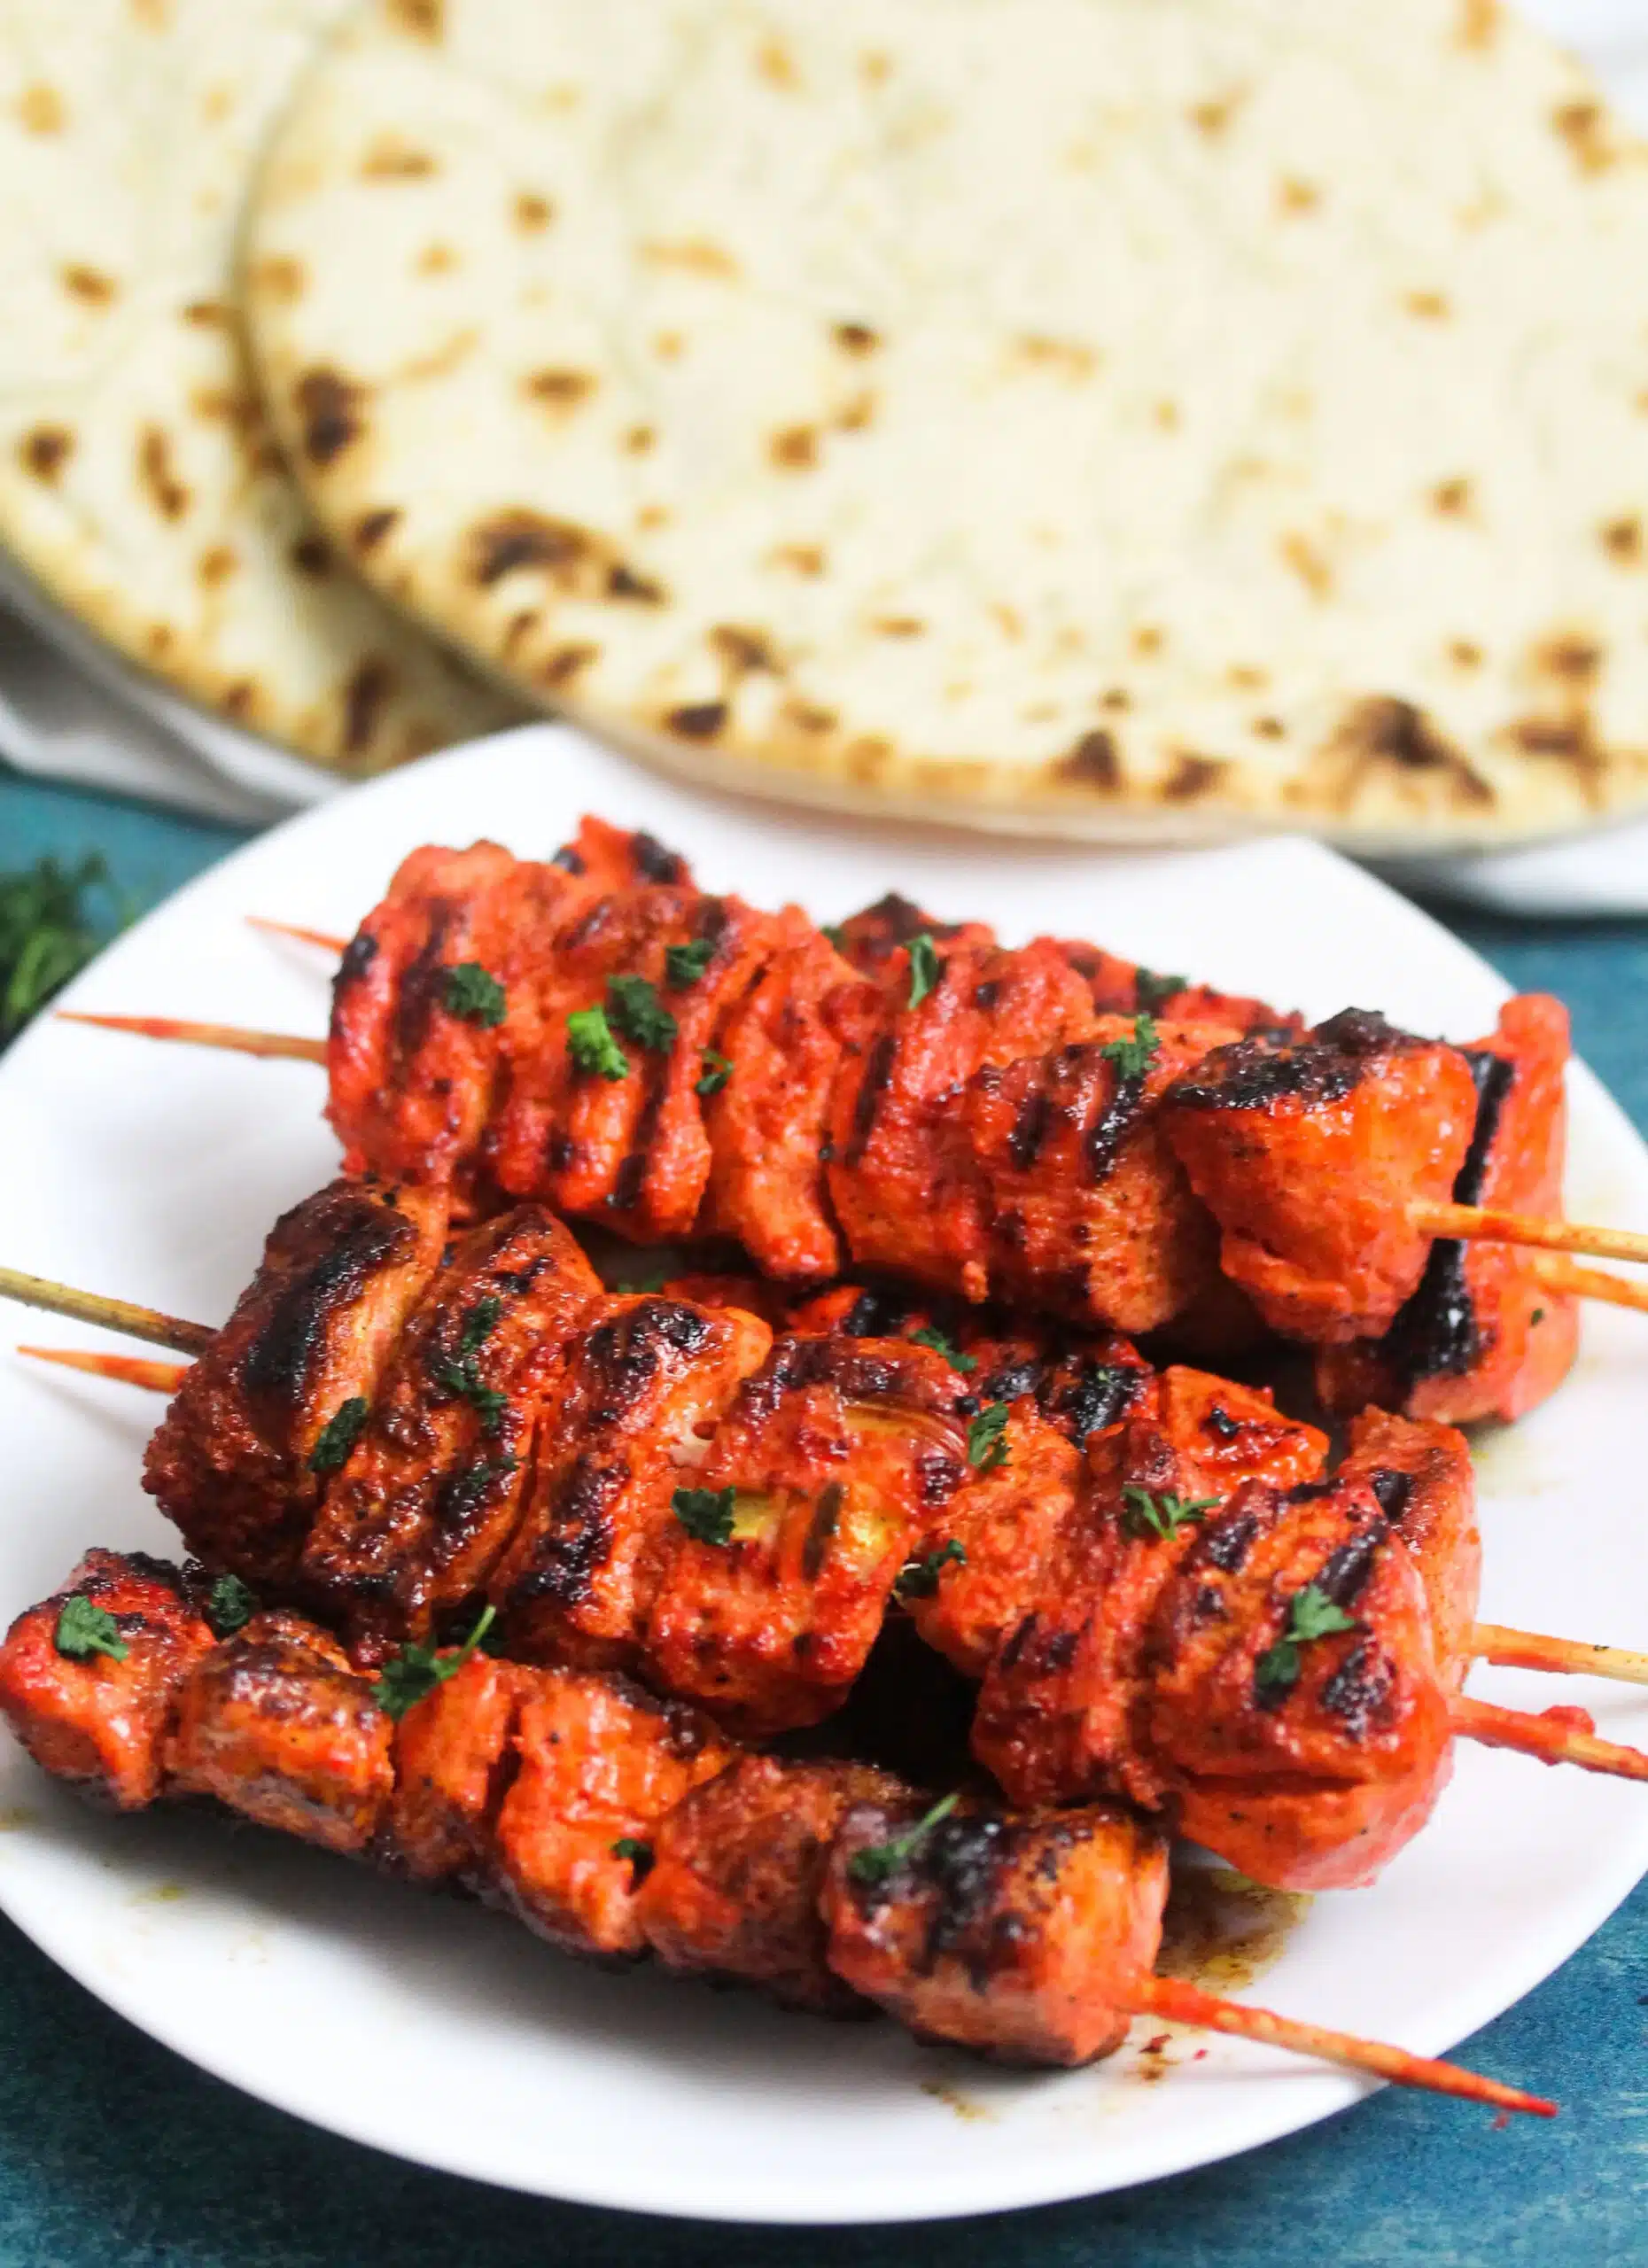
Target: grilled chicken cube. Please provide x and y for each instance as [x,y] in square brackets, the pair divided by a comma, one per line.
[93,1715]
[834,1456]
[1421,1474]
[771,1079]
[1483,1336]
[610,1120]
[1056,1717]
[647,1382]
[1295,1702]
[430,1494]
[240,1458]
[908,1198]
[276,1725]
[1026,1937]
[1310,1152]
[737,1871]
[1087,1210]
[599,1764]
[453,1751]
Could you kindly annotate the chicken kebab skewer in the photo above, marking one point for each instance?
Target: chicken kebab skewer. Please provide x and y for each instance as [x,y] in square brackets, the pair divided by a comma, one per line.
[1047,1126]
[614,1824]
[671,1492]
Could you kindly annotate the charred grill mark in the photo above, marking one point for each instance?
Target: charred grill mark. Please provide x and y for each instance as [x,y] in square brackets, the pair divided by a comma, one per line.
[1358,1692]
[569,860]
[653,861]
[874,1315]
[1392,1489]
[878,1071]
[462,1496]
[1010,1382]
[1009,1658]
[1029,1130]
[1112,1127]
[1436,1333]
[1268,1067]
[279,1360]
[358,956]
[1226,1543]
[421,986]
[963,1859]
[1345,1576]
[579,1537]
[589,925]
[1102,1394]
[630,1181]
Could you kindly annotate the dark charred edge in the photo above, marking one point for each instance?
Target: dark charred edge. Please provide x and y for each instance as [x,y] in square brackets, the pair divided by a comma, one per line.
[1392,1491]
[278,1361]
[879,930]
[877,1072]
[1099,1396]
[654,861]
[624,1353]
[1268,1067]
[1436,1334]
[421,985]
[1359,1690]
[1227,1539]
[1345,1576]
[569,860]
[1029,1126]
[1110,1130]
[356,958]
[577,1540]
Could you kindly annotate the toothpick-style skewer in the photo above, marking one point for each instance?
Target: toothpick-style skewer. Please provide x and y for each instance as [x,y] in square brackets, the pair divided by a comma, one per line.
[125,1370]
[1491,1641]
[323,938]
[1166,1996]
[1466,1221]
[1567,1277]
[1550,1737]
[123,1316]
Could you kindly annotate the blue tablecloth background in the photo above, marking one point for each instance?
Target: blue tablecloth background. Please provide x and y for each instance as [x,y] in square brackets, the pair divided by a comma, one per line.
[114,2153]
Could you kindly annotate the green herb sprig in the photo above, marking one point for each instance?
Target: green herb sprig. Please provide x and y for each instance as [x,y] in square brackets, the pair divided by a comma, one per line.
[417,1670]
[462,1376]
[713,1073]
[986,1439]
[590,1043]
[1133,1057]
[919,1578]
[684,964]
[84,1629]
[474,995]
[705,1513]
[1162,1514]
[47,933]
[877,1862]
[633,1005]
[928,1337]
[338,1436]
[1151,991]
[925,967]
[1310,1614]
[229,1605]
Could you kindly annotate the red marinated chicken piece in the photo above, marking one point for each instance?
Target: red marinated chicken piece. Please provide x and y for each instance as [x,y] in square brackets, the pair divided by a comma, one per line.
[276,1725]
[241,1457]
[430,1494]
[95,1710]
[649,1378]
[1310,1152]
[1027,1937]
[834,1456]
[1482,1336]
[454,1752]
[876,941]
[1421,1474]
[734,1883]
[599,1764]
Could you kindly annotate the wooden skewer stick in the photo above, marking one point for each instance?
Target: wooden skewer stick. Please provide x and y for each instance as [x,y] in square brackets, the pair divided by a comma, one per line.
[1553,1737]
[1563,1276]
[1466,1221]
[148,1324]
[323,938]
[229,1037]
[1165,1996]
[1487,1225]
[125,1370]
[1491,1641]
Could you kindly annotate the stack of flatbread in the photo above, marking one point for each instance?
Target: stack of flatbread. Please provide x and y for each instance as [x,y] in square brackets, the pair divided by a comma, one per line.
[1136,418]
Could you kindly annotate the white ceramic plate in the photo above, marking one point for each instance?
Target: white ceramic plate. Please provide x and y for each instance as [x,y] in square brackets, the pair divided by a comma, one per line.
[452,2037]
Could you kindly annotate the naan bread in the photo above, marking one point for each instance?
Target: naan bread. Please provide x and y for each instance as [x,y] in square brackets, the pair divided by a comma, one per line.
[1126,418]
[138,483]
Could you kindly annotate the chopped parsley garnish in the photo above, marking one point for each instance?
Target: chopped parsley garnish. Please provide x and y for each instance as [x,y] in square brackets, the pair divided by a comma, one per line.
[924,967]
[705,1513]
[633,1005]
[338,1436]
[46,935]
[84,1630]
[1538,1316]
[417,1670]
[474,995]
[638,1853]
[229,1605]
[714,1072]
[919,1578]
[1310,1614]
[1162,1514]
[879,1860]
[684,964]
[462,1377]
[1134,1058]
[928,1337]
[1153,992]
[986,1441]
[590,1043]
[837,934]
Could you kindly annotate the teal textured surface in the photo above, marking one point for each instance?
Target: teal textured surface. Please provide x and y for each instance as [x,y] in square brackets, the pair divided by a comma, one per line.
[113,2152]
